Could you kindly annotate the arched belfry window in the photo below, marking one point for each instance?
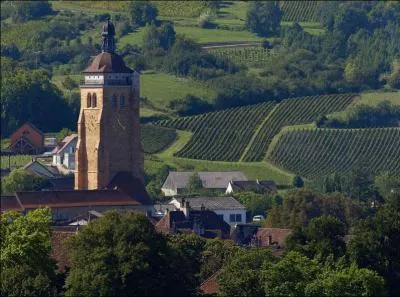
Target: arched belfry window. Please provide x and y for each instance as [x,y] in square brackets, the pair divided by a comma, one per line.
[122,101]
[94,100]
[114,101]
[89,100]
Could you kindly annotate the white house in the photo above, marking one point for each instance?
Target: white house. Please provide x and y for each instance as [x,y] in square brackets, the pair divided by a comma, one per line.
[64,153]
[231,210]
[177,182]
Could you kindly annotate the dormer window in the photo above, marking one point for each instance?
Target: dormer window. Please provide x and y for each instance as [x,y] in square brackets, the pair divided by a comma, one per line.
[94,100]
[89,100]
[122,101]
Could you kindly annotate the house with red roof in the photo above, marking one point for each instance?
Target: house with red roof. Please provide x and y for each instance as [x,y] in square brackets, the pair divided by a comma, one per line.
[27,139]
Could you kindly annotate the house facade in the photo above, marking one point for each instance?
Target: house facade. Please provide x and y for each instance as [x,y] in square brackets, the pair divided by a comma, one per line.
[27,139]
[228,208]
[177,183]
[64,152]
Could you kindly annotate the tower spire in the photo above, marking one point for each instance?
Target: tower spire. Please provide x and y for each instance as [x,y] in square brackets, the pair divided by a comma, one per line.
[107,35]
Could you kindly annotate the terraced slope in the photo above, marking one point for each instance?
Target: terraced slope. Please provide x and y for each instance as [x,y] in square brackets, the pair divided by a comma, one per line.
[320,152]
[299,11]
[221,135]
[294,112]
[155,139]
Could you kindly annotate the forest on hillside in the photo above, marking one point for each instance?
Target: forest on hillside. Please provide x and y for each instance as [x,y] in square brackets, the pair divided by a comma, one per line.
[357,49]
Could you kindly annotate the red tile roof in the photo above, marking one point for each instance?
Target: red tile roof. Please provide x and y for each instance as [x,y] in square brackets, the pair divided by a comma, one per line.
[59,248]
[210,286]
[132,186]
[54,199]
[277,236]
[11,202]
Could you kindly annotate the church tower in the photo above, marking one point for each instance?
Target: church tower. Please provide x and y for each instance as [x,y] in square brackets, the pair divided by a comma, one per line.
[108,124]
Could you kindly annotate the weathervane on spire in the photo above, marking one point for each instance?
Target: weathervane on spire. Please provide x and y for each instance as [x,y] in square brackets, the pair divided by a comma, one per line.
[108,37]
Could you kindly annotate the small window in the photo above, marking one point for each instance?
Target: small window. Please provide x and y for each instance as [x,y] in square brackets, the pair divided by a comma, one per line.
[122,101]
[114,102]
[238,217]
[221,216]
[89,100]
[94,100]
[232,217]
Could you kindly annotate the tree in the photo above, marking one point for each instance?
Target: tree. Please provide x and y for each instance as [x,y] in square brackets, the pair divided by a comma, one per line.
[289,276]
[123,255]
[64,132]
[30,96]
[298,182]
[323,236]
[187,249]
[242,275]
[386,182]
[195,184]
[216,253]
[20,180]
[264,17]
[27,10]
[374,244]
[118,254]
[349,281]
[69,83]
[143,13]
[26,267]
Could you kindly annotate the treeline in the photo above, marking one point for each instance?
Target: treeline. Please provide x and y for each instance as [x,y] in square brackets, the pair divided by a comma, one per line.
[122,254]
[385,114]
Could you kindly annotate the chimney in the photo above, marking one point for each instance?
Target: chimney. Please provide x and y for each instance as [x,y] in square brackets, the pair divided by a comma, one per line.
[186,209]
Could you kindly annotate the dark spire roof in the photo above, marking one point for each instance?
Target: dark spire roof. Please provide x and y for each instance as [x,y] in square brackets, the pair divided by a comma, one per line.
[108,61]
[108,34]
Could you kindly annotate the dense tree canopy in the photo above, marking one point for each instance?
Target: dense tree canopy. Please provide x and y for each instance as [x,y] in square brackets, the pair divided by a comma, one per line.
[20,180]
[26,267]
[264,17]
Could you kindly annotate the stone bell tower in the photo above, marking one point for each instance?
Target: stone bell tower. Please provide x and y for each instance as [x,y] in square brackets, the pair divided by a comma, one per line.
[108,124]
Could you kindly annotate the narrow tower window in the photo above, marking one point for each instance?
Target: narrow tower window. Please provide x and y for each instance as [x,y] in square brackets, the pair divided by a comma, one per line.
[114,102]
[94,100]
[122,101]
[89,100]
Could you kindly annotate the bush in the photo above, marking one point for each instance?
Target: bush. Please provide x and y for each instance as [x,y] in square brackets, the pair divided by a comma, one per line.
[143,13]
[298,182]
[189,105]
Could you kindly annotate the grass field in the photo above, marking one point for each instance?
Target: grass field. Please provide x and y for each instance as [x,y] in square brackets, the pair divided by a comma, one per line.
[260,170]
[161,88]
[15,161]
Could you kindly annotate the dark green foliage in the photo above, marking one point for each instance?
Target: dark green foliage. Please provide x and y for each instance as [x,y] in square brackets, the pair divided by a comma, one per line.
[257,203]
[385,114]
[264,17]
[143,13]
[216,253]
[20,180]
[185,58]
[26,267]
[69,83]
[22,11]
[189,105]
[220,135]
[29,96]
[195,183]
[242,277]
[155,181]
[122,254]
[322,236]
[64,132]
[154,139]
[298,182]
[375,241]
[158,39]
[301,205]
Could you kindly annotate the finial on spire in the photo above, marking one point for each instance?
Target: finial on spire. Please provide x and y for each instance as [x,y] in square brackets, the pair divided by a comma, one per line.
[108,34]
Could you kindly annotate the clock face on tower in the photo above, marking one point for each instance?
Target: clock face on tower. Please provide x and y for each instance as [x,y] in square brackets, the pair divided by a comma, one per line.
[91,123]
[119,122]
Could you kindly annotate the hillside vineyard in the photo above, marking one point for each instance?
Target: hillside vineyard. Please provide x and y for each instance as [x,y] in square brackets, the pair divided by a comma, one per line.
[320,152]
[299,11]
[294,112]
[221,135]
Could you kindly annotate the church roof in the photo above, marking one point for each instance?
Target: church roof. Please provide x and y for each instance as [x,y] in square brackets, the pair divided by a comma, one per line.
[107,62]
